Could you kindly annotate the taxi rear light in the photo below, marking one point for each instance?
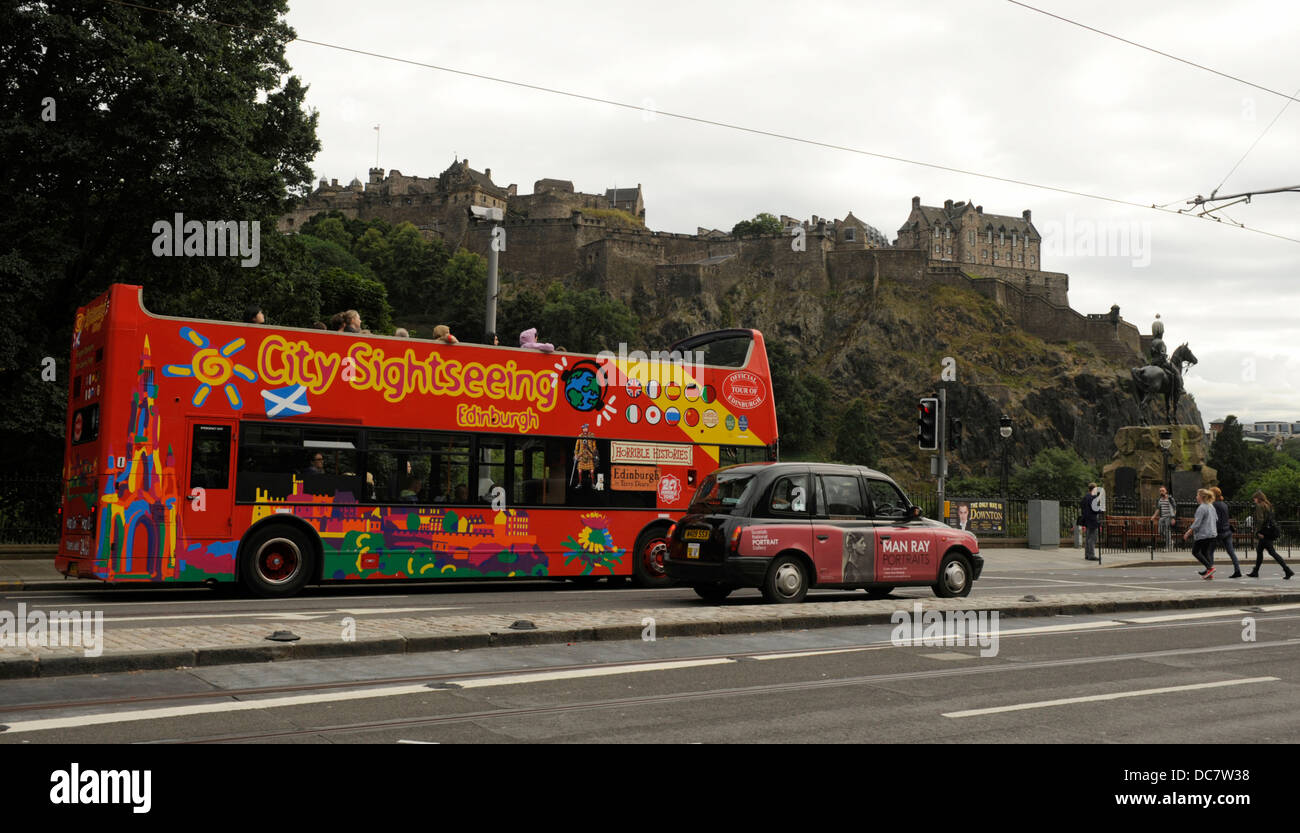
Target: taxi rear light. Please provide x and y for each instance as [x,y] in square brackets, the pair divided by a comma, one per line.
[671,530]
[735,540]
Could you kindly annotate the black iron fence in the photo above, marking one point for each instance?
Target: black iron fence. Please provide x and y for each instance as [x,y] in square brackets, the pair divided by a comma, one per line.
[1129,528]
[29,510]
[1015,512]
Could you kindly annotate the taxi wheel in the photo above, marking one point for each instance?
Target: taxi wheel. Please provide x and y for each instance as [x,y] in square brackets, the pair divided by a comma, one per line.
[786,581]
[713,592]
[878,592]
[651,550]
[954,577]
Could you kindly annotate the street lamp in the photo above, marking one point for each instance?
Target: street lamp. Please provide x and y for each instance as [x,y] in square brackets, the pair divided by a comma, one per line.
[1166,440]
[1004,428]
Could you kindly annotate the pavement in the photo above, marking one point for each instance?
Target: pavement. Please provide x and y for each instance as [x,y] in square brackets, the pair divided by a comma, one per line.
[154,648]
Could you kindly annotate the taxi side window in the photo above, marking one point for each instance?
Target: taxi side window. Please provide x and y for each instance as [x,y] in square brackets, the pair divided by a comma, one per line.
[843,496]
[887,503]
[790,495]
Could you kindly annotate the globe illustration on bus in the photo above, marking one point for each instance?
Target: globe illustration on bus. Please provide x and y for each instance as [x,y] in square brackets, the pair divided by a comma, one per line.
[582,387]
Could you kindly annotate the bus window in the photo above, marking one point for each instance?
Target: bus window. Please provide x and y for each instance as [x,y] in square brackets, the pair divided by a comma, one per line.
[491,469]
[272,457]
[418,467]
[449,467]
[538,471]
[210,457]
[731,455]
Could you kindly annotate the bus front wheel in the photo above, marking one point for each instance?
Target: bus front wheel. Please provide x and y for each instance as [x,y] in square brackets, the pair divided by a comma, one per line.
[651,550]
[277,560]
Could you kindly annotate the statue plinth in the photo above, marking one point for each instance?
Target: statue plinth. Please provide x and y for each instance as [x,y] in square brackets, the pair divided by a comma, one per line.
[1137,470]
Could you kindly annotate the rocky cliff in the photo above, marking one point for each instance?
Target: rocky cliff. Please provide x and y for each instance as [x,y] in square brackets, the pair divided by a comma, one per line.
[885,339]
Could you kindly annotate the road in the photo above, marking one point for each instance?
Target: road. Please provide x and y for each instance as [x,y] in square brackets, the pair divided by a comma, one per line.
[1182,677]
[167,607]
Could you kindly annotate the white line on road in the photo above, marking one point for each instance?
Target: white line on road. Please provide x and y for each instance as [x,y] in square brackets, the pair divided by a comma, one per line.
[1043,704]
[1174,617]
[295,615]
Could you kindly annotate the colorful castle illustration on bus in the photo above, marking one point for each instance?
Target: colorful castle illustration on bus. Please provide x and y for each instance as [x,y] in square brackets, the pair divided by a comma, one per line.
[141,534]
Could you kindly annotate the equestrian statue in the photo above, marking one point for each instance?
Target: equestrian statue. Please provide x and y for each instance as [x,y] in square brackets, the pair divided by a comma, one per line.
[1162,376]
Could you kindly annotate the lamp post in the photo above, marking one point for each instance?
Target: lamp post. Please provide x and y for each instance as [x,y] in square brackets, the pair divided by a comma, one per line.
[1004,428]
[1166,440]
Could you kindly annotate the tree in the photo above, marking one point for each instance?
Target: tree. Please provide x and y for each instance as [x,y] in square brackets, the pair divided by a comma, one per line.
[581,321]
[113,118]
[1281,484]
[1230,458]
[855,441]
[763,223]
[1054,473]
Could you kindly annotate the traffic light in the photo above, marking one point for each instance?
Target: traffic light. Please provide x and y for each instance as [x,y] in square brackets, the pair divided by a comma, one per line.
[927,423]
[954,433]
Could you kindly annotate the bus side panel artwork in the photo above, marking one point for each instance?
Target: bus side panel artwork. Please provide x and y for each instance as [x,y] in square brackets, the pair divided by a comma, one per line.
[140,382]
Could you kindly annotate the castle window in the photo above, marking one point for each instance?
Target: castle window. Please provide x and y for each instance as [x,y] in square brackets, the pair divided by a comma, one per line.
[936,251]
[936,232]
[972,237]
[1002,238]
[990,237]
[984,254]
[947,232]
[849,234]
[950,251]
[1031,260]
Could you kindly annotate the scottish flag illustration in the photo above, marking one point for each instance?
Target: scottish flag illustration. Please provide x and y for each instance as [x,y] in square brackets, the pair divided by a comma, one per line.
[286,402]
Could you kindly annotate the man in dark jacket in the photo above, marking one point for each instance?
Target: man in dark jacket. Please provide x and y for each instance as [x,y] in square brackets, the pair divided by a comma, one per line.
[1091,522]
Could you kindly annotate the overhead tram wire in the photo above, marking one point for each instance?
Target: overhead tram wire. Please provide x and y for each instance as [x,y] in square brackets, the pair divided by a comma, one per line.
[1157,51]
[1252,146]
[699,120]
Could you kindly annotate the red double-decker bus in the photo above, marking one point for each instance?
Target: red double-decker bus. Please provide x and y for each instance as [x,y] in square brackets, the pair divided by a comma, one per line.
[209,451]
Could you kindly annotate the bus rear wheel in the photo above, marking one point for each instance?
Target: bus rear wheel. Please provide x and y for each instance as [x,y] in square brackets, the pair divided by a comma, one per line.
[277,560]
[651,550]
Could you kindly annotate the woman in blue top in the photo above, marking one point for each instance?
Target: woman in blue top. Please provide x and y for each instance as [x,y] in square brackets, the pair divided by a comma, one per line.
[1205,529]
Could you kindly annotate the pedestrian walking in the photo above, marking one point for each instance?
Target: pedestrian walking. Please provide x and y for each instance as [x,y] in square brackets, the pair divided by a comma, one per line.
[1224,521]
[1205,528]
[1091,522]
[1165,512]
[1266,532]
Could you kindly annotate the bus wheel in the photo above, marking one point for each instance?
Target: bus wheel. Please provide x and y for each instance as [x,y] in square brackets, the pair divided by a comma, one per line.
[651,550]
[954,577]
[276,561]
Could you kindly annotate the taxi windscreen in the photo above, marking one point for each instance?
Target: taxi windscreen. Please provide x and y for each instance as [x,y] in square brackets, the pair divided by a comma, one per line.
[721,491]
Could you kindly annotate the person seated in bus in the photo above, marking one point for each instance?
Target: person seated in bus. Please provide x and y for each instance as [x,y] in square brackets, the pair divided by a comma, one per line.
[254,315]
[462,494]
[319,325]
[352,321]
[401,332]
[528,340]
[492,339]
[411,494]
[317,466]
[337,324]
[442,335]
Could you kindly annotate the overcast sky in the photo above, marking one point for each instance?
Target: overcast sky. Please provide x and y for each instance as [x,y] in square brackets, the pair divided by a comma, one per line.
[981,85]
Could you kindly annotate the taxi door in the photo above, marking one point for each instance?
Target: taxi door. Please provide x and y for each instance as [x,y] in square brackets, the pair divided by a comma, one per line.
[844,541]
[905,552]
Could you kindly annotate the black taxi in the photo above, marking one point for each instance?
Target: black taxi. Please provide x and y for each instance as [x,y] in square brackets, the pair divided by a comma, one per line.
[786,527]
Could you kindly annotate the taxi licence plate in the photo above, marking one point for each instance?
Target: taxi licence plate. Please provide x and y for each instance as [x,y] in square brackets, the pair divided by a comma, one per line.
[692,550]
[695,535]
[72,568]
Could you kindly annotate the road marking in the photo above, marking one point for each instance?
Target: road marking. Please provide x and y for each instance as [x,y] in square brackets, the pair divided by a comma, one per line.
[1173,617]
[1271,608]
[580,673]
[422,742]
[824,652]
[1095,698]
[297,616]
[80,721]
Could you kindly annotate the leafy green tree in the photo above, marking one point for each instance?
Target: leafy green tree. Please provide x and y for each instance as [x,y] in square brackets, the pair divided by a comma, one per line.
[855,441]
[976,486]
[1054,473]
[1281,484]
[763,223]
[580,321]
[113,118]
[1291,448]
[341,290]
[1230,457]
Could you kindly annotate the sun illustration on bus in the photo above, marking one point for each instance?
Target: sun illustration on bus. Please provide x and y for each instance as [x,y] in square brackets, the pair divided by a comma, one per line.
[212,368]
